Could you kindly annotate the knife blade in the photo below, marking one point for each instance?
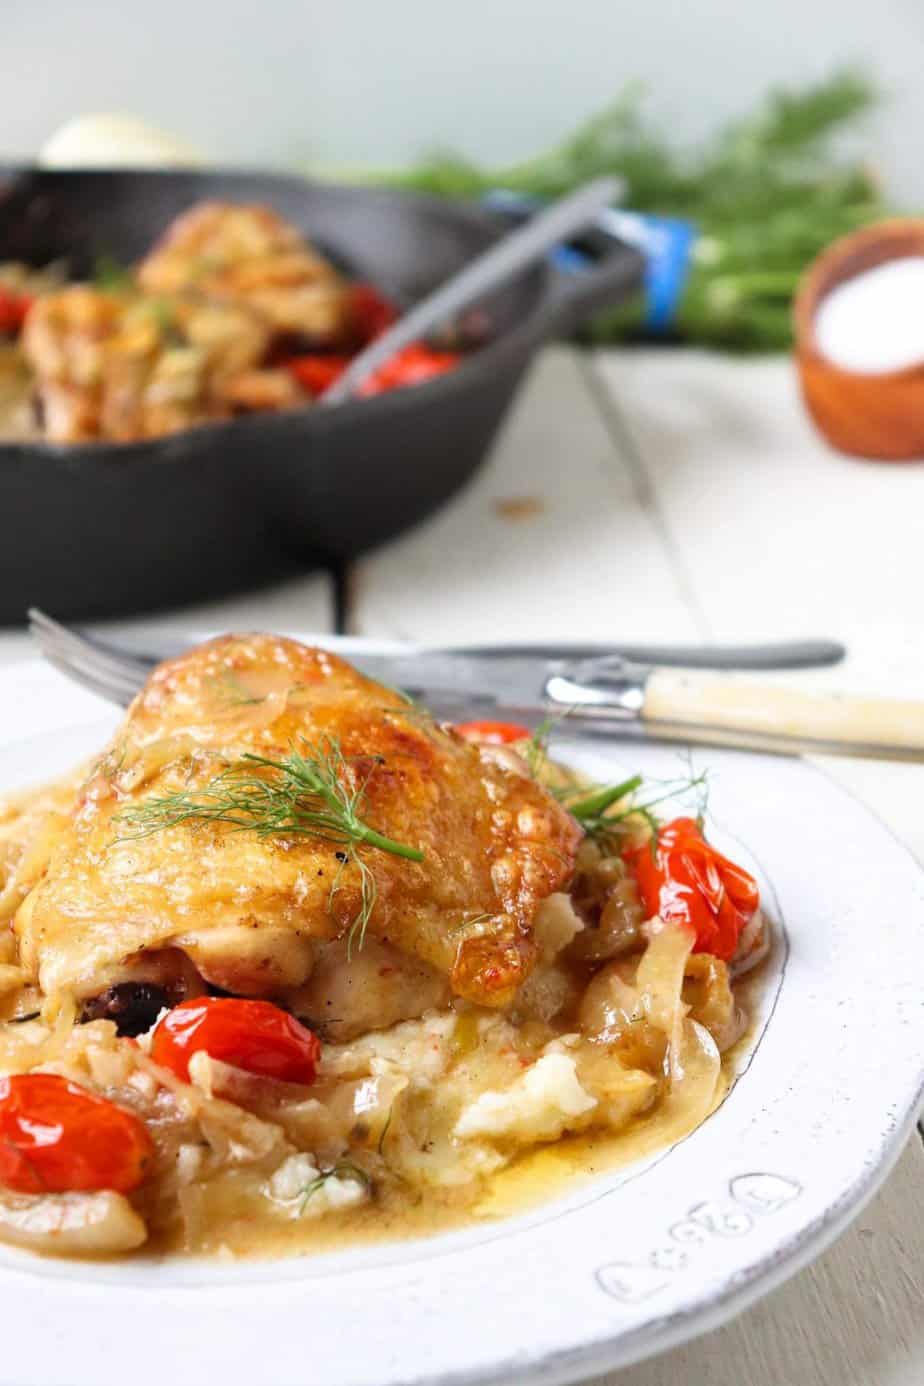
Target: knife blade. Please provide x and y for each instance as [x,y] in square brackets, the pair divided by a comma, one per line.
[152,648]
[777,654]
[474,680]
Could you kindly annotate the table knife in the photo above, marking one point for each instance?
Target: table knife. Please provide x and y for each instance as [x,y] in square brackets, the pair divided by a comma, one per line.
[613,695]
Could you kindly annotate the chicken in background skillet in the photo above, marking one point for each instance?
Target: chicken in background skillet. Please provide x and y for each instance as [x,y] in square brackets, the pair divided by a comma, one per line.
[232,312]
[188,338]
[18,420]
[122,367]
[252,258]
[20,286]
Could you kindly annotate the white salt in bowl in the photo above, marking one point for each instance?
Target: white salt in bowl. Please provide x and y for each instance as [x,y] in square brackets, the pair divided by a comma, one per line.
[859,323]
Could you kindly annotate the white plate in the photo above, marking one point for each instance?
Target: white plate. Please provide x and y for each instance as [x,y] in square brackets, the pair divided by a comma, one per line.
[628,1265]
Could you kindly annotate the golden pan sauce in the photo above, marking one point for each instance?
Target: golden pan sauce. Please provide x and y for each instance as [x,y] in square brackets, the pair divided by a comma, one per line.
[534,1178]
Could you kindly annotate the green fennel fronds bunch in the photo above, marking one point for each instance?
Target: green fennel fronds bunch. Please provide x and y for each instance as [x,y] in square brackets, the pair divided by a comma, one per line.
[767,193]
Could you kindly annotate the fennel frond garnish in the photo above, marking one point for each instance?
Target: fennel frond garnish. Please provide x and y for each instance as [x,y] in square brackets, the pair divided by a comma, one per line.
[232,690]
[536,750]
[610,809]
[592,807]
[368,893]
[471,922]
[606,810]
[343,1169]
[305,794]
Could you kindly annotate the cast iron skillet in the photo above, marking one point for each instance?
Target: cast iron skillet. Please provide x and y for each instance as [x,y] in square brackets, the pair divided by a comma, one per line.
[112,529]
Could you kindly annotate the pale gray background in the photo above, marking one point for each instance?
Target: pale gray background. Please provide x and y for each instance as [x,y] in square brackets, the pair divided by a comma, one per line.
[349,82]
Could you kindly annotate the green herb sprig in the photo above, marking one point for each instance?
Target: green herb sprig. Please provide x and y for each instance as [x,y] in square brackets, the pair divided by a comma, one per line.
[766,194]
[110,275]
[380,1146]
[593,808]
[595,805]
[594,811]
[233,691]
[368,893]
[471,922]
[305,794]
[342,1169]
[536,751]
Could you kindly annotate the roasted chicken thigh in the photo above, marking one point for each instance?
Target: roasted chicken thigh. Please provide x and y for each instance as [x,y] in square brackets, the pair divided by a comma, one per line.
[265,809]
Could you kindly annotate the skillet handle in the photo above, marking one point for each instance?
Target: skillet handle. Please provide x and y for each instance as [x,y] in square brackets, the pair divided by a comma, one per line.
[580,294]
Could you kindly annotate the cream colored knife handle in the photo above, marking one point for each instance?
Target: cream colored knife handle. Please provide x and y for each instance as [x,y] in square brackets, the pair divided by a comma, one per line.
[724,710]
[614,695]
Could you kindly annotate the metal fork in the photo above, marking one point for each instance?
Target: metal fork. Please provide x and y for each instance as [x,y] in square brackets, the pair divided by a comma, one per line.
[117,673]
[114,674]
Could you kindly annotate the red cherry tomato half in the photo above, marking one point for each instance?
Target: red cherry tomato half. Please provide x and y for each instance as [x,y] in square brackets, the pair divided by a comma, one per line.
[411,366]
[315,373]
[688,882]
[373,313]
[13,310]
[416,363]
[55,1137]
[493,733]
[253,1035]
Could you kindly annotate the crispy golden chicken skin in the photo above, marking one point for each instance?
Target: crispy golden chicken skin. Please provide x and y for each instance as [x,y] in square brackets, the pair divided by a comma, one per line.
[142,872]
[252,257]
[196,334]
[121,367]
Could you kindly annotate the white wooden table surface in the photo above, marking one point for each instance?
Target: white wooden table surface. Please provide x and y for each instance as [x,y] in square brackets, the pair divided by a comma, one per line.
[672,495]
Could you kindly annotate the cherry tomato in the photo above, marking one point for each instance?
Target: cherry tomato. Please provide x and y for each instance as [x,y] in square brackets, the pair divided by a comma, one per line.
[687,881]
[253,1035]
[493,733]
[314,372]
[13,310]
[372,311]
[410,366]
[56,1137]
[416,363]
